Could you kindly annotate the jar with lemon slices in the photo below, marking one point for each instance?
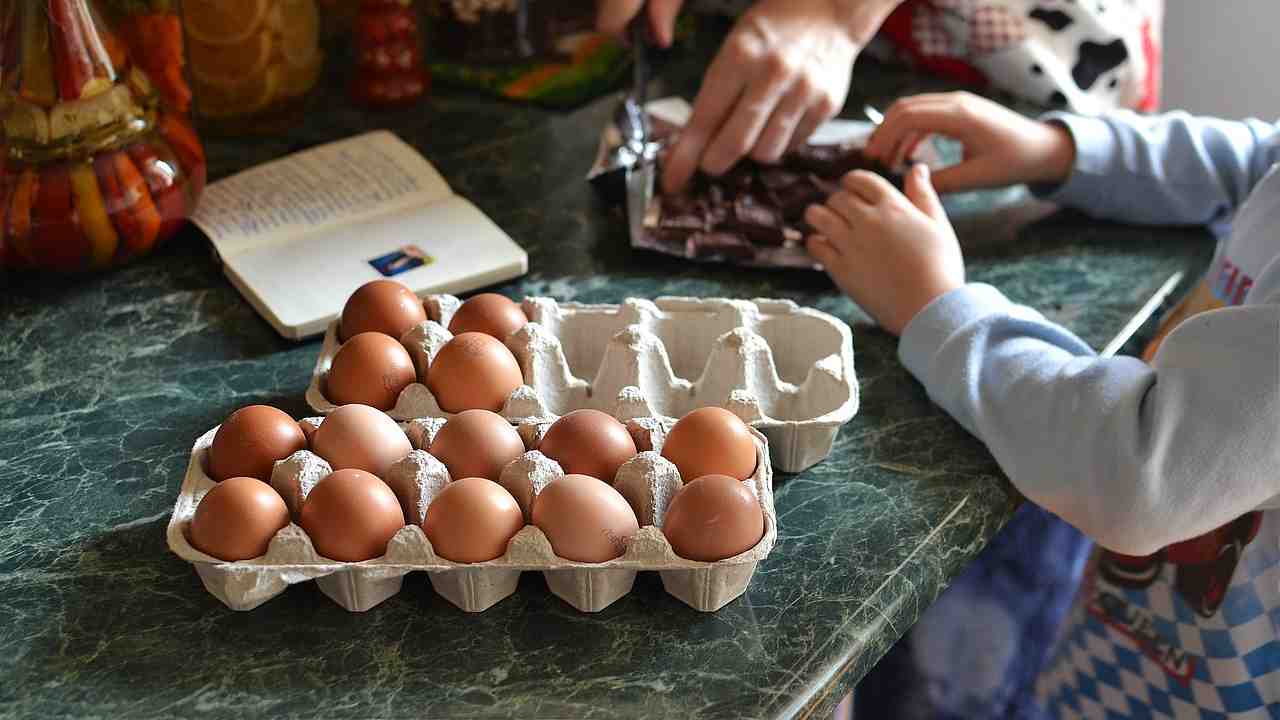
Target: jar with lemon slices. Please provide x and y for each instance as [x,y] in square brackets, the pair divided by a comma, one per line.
[96,166]
[253,62]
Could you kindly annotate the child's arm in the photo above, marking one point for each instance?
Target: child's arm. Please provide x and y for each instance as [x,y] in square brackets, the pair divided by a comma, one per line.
[1136,456]
[1171,170]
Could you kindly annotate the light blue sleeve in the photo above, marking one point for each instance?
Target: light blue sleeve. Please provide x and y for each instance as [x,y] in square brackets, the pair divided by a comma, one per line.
[1171,169]
[1136,456]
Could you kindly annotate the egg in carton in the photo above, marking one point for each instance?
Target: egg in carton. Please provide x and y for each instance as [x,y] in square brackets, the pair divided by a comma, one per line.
[784,369]
[648,482]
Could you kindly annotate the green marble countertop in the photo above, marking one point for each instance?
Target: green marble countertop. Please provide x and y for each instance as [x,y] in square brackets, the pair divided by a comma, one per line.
[105,382]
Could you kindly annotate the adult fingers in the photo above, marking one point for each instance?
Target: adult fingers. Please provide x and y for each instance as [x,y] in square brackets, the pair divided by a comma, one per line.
[808,125]
[662,20]
[783,124]
[745,123]
[721,87]
[612,16]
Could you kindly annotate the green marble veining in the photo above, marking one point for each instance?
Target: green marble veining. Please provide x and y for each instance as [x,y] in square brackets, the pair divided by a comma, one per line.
[105,382]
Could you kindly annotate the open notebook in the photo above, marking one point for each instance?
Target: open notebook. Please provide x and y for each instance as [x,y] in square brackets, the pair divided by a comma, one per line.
[296,236]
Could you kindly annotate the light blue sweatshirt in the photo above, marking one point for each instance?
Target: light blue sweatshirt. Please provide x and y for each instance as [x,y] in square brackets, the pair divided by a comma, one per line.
[1166,462]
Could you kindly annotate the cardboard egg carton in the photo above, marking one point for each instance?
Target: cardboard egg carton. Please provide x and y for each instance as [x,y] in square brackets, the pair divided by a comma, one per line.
[648,482]
[786,370]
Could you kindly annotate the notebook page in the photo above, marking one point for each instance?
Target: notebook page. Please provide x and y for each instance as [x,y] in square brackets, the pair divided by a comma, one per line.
[317,190]
[445,247]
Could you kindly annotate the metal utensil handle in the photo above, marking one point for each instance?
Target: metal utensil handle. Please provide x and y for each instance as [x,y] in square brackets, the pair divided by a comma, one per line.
[639,47]
[1143,315]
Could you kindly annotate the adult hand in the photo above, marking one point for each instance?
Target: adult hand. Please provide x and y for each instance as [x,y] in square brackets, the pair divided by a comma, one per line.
[1001,147]
[613,16]
[782,71]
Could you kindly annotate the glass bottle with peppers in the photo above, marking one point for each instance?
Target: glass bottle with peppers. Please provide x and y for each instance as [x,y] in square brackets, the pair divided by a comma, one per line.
[253,62]
[96,167]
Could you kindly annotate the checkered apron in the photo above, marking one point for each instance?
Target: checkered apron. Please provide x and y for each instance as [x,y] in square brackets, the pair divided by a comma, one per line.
[1145,653]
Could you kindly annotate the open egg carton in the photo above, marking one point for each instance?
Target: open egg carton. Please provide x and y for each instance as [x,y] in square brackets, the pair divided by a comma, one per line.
[784,369]
[648,482]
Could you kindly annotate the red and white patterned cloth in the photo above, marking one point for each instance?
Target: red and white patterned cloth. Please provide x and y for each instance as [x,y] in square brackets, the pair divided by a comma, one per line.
[1085,55]
[1088,56]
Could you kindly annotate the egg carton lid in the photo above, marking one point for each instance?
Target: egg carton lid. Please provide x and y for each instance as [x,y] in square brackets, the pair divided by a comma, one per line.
[647,481]
[785,369]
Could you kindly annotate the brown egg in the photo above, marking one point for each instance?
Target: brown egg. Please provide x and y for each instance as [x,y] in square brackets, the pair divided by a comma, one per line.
[383,306]
[362,438]
[713,518]
[584,519]
[237,519]
[351,516]
[589,442]
[473,371]
[477,443]
[251,440]
[489,313]
[472,520]
[711,441]
[370,369]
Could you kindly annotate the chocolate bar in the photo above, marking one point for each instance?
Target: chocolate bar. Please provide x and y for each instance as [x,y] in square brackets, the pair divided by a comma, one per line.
[690,221]
[752,206]
[774,179]
[828,160]
[794,199]
[720,245]
[676,227]
[741,178]
[759,222]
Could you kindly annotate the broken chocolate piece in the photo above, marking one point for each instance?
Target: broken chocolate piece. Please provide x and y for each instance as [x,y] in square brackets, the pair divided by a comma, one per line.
[715,194]
[754,207]
[674,237]
[775,178]
[828,186]
[828,160]
[679,204]
[717,215]
[740,178]
[818,159]
[684,221]
[720,245]
[759,222]
[792,200]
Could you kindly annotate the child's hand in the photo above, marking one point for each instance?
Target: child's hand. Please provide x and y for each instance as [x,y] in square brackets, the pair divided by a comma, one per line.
[1001,147]
[892,254]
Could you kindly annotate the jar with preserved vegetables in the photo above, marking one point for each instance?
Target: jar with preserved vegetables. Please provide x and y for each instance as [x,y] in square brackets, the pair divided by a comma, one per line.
[98,162]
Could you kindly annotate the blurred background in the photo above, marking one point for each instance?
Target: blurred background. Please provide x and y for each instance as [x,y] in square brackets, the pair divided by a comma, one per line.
[1218,58]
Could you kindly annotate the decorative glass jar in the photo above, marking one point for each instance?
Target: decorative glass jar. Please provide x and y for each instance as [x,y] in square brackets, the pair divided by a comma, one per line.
[98,163]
